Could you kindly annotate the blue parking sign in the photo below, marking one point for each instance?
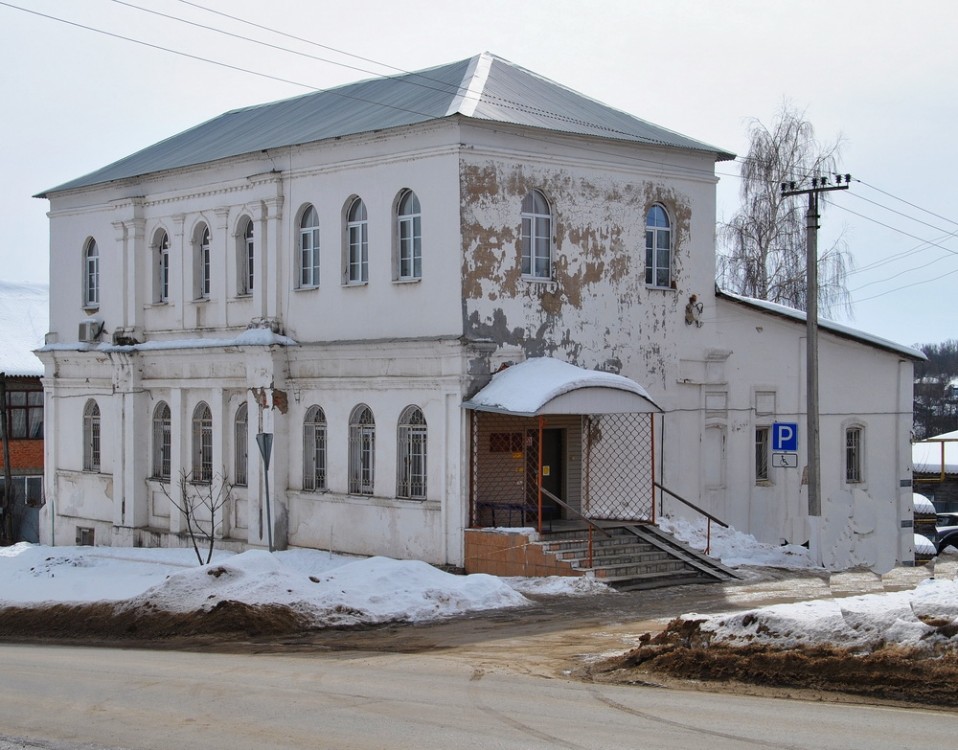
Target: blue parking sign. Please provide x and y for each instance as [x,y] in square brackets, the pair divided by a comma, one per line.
[785,436]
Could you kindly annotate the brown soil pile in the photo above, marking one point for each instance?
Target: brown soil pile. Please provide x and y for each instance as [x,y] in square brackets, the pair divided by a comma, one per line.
[886,672]
[105,621]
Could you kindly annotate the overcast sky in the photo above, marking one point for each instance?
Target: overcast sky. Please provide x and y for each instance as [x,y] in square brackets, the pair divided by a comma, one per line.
[880,74]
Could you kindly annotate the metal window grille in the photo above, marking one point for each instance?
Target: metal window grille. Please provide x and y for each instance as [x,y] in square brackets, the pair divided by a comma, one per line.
[202,444]
[91,437]
[240,456]
[362,451]
[412,454]
[161,442]
[410,237]
[536,236]
[761,454]
[314,450]
[358,239]
[853,454]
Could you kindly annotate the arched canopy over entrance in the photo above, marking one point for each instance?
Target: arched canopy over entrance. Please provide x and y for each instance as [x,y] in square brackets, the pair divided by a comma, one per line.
[553,442]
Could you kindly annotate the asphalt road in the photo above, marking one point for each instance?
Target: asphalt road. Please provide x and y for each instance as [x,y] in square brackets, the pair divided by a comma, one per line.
[71,697]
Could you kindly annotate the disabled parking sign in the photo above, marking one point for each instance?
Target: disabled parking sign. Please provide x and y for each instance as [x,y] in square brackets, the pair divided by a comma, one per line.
[785,436]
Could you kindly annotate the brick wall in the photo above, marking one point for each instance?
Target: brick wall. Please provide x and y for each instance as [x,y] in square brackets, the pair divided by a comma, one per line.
[24,454]
[511,553]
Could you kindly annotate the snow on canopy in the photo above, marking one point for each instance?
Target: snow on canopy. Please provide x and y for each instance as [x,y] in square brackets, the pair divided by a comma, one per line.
[926,456]
[525,388]
[24,322]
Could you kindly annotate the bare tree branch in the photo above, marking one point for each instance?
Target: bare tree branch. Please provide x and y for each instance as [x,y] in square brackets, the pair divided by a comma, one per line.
[200,502]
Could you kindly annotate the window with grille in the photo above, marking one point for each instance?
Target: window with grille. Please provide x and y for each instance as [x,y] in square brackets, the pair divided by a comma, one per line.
[309,249]
[409,231]
[536,236]
[240,439]
[658,248]
[314,449]
[162,445]
[362,451]
[202,443]
[854,443]
[412,454]
[91,436]
[761,454]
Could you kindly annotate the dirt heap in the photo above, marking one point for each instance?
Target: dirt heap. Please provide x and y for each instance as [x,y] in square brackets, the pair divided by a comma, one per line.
[683,651]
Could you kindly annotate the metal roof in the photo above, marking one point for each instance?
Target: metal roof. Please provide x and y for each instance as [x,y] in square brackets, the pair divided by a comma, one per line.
[484,87]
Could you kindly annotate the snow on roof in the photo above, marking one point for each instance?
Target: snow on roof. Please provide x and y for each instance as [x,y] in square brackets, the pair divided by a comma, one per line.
[483,87]
[524,388]
[24,321]
[926,456]
[823,323]
[250,337]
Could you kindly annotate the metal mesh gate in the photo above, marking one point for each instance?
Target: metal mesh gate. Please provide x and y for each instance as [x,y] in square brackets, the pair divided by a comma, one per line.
[599,465]
[619,466]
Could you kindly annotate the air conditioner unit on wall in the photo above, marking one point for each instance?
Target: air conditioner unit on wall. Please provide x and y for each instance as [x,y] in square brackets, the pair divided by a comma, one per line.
[90,330]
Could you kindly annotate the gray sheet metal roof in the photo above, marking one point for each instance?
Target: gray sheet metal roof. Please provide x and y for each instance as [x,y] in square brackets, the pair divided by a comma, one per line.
[484,87]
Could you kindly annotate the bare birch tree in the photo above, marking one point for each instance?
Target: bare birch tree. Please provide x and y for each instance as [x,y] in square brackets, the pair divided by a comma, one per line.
[764,244]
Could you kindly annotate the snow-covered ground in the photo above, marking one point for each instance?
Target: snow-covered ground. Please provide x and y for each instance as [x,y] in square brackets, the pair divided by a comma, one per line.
[339,590]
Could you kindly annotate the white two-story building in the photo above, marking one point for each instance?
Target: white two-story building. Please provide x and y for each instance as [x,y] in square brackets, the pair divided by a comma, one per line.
[347,269]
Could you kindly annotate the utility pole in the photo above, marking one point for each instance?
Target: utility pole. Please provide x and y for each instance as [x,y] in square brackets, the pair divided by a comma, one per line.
[819,185]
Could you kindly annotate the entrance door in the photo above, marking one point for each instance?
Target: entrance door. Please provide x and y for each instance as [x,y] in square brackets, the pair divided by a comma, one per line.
[553,466]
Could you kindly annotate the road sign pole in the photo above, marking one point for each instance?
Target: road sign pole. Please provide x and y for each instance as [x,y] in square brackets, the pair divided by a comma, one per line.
[265,442]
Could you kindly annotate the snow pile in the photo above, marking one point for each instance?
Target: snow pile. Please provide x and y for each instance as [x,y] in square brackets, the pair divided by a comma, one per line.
[733,547]
[925,618]
[329,589]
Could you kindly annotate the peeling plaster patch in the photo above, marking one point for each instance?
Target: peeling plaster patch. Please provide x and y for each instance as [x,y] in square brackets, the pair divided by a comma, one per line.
[497,330]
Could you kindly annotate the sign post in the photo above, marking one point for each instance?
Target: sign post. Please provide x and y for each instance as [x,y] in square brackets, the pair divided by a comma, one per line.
[265,442]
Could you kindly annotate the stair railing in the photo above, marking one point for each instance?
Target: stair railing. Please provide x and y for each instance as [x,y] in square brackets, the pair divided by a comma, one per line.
[710,518]
[592,526]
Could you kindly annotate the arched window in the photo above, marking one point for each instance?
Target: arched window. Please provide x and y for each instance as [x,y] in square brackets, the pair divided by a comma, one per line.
[658,248]
[91,436]
[411,440]
[202,443]
[409,237]
[161,441]
[203,266]
[314,449]
[357,243]
[161,281]
[536,236]
[91,275]
[240,455]
[245,259]
[362,450]
[309,248]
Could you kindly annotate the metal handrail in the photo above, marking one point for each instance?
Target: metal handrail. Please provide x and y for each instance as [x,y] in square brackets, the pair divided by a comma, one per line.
[693,506]
[589,522]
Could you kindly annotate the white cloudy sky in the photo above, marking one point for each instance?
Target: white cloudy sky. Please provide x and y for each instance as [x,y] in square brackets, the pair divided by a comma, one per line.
[878,72]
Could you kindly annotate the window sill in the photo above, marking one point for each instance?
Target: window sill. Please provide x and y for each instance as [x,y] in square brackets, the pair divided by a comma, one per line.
[411,280]
[312,288]
[654,288]
[355,283]
[201,301]
[91,309]
[546,285]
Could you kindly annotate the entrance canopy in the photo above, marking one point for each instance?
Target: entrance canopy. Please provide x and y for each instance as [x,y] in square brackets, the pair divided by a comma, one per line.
[549,386]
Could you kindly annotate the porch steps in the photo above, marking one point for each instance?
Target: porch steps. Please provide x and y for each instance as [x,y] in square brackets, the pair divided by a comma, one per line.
[634,557]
